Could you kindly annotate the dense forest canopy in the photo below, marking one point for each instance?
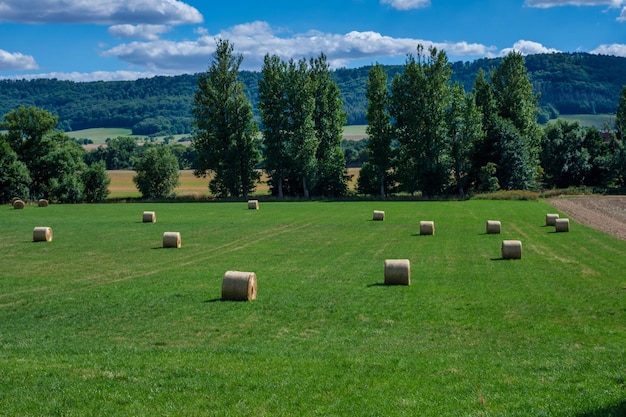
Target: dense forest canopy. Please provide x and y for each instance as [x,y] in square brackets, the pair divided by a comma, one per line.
[576,83]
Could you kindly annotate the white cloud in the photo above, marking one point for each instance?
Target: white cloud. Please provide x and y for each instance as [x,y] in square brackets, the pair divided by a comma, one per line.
[622,16]
[556,3]
[150,32]
[16,61]
[525,47]
[406,4]
[254,40]
[171,12]
[613,49]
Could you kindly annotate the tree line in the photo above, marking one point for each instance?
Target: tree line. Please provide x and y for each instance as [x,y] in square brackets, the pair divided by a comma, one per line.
[426,134]
[567,83]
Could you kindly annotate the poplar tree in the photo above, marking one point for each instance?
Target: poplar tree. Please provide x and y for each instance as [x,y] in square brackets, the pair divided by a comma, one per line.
[379,132]
[225,136]
[328,120]
[273,109]
[517,129]
[420,97]
[302,143]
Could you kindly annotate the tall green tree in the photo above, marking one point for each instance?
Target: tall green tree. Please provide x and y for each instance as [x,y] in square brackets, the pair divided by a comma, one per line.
[300,125]
[225,135]
[379,131]
[620,140]
[273,108]
[328,119]
[14,175]
[465,131]
[517,104]
[419,100]
[485,156]
[157,174]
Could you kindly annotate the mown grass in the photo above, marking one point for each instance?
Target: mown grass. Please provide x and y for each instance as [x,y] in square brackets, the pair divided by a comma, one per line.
[103,321]
[599,121]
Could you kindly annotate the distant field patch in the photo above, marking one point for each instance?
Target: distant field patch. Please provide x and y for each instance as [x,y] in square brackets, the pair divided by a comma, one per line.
[354,132]
[122,185]
[598,121]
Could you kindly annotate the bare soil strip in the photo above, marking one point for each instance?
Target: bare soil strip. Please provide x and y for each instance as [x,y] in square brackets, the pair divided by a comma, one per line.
[605,213]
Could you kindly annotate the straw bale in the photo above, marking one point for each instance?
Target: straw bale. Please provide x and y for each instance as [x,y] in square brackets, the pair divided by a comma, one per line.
[253,204]
[18,204]
[427,227]
[493,227]
[379,215]
[551,219]
[511,249]
[561,225]
[171,240]
[149,217]
[42,234]
[239,286]
[42,202]
[397,272]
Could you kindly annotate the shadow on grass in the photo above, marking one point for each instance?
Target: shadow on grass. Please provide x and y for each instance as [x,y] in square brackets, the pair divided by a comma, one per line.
[213,300]
[377,284]
[616,410]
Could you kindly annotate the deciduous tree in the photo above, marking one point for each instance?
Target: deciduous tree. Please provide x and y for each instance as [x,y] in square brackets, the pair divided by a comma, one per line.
[225,136]
[157,172]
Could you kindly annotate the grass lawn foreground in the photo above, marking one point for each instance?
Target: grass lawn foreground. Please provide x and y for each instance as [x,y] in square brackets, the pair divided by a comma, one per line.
[104,321]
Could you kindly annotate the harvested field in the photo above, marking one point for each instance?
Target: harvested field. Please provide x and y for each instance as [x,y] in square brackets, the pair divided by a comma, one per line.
[605,213]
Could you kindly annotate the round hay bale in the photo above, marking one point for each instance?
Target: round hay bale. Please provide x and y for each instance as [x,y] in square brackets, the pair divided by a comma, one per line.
[14,199]
[551,219]
[42,234]
[397,272]
[149,217]
[511,249]
[171,240]
[42,202]
[493,227]
[427,227]
[239,286]
[253,204]
[18,204]
[379,215]
[561,225]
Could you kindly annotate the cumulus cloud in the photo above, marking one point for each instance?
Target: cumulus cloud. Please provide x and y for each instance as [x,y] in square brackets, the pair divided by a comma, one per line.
[556,3]
[525,47]
[613,49]
[622,16]
[254,40]
[110,12]
[406,4]
[16,61]
[149,32]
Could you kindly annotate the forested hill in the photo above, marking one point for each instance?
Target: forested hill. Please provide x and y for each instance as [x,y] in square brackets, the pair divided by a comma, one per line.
[568,84]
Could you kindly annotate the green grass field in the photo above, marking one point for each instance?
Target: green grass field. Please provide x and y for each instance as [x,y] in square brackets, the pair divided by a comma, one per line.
[103,321]
[599,121]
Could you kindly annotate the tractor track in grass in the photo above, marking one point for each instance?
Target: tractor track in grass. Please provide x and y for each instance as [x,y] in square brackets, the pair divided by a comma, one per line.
[605,213]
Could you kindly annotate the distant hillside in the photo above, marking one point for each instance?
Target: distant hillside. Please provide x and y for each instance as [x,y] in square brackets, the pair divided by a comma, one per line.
[568,84]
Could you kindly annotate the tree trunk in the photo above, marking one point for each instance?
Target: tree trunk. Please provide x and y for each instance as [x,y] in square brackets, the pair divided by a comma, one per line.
[306,190]
[280,187]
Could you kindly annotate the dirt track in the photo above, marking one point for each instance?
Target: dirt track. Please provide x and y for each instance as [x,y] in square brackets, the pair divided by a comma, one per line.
[606,213]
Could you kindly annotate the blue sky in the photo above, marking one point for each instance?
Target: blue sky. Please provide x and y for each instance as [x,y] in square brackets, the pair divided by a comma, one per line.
[86,40]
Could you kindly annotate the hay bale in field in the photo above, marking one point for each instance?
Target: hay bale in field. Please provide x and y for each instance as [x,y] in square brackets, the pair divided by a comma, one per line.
[171,240]
[561,225]
[493,227]
[253,204]
[42,234]
[149,217]
[239,286]
[397,272]
[427,227]
[379,215]
[551,219]
[511,249]
[42,202]
[18,204]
